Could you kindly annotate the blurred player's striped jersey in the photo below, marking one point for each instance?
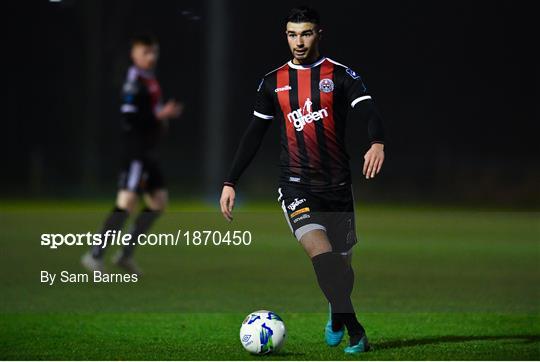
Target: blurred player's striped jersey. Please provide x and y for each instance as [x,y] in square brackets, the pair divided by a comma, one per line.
[141,100]
[311,104]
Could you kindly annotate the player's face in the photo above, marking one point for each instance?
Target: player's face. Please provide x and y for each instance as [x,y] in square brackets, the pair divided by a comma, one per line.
[303,41]
[145,56]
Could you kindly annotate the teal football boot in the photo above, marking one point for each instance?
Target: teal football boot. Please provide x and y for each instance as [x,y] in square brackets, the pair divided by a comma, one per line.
[332,338]
[360,347]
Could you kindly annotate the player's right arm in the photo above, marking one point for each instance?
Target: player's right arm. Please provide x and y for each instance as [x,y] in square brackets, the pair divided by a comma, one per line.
[134,112]
[247,149]
[249,145]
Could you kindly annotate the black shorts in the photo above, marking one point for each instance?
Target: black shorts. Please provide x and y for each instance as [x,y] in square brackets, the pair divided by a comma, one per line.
[141,175]
[331,211]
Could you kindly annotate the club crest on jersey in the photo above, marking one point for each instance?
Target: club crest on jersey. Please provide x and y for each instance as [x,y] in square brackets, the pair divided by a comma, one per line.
[326,85]
[352,73]
[305,115]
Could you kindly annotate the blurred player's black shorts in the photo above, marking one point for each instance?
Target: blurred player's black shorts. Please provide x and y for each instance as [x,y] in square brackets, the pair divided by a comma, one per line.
[331,211]
[142,175]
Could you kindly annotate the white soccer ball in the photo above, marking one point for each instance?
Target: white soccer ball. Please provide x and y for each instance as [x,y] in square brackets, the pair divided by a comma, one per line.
[262,332]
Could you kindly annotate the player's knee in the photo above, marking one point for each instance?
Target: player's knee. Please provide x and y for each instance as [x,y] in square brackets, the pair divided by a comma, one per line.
[163,202]
[160,206]
[127,200]
[313,252]
[315,242]
[155,207]
[158,200]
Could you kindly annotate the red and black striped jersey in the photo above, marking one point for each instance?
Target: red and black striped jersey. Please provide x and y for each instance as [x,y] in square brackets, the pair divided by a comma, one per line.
[141,101]
[311,103]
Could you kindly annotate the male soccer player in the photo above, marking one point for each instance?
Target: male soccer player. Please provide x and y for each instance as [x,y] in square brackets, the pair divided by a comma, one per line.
[310,98]
[144,120]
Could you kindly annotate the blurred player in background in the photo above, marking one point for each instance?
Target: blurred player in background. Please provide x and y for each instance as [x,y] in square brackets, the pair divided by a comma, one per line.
[310,97]
[144,120]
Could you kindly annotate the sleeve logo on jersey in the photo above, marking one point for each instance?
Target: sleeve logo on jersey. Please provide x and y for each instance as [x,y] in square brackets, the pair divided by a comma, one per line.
[300,218]
[352,73]
[293,205]
[300,211]
[130,88]
[326,85]
[304,115]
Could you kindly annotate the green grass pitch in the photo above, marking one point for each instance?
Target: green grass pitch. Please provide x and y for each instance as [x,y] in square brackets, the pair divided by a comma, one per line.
[431,283]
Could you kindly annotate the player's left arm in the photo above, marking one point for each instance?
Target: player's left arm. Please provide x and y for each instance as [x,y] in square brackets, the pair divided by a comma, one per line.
[363,109]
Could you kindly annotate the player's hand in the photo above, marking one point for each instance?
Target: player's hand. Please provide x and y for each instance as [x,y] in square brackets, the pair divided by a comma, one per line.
[171,109]
[373,160]
[227,202]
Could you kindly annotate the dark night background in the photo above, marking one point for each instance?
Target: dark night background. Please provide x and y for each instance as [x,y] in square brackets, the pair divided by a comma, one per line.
[456,83]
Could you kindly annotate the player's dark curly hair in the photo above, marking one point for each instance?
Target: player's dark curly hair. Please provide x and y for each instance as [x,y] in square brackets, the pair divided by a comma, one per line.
[303,14]
[144,39]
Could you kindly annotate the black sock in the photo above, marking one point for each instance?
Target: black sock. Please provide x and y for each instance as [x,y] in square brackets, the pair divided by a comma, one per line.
[114,222]
[354,327]
[356,331]
[337,322]
[142,224]
[330,270]
[338,318]
[355,338]
[336,280]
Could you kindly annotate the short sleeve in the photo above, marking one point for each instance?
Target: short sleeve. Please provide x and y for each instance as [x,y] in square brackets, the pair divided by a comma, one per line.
[264,105]
[354,87]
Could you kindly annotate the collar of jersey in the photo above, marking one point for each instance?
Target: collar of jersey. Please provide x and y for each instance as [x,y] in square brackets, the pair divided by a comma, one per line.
[143,73]
[308,66]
